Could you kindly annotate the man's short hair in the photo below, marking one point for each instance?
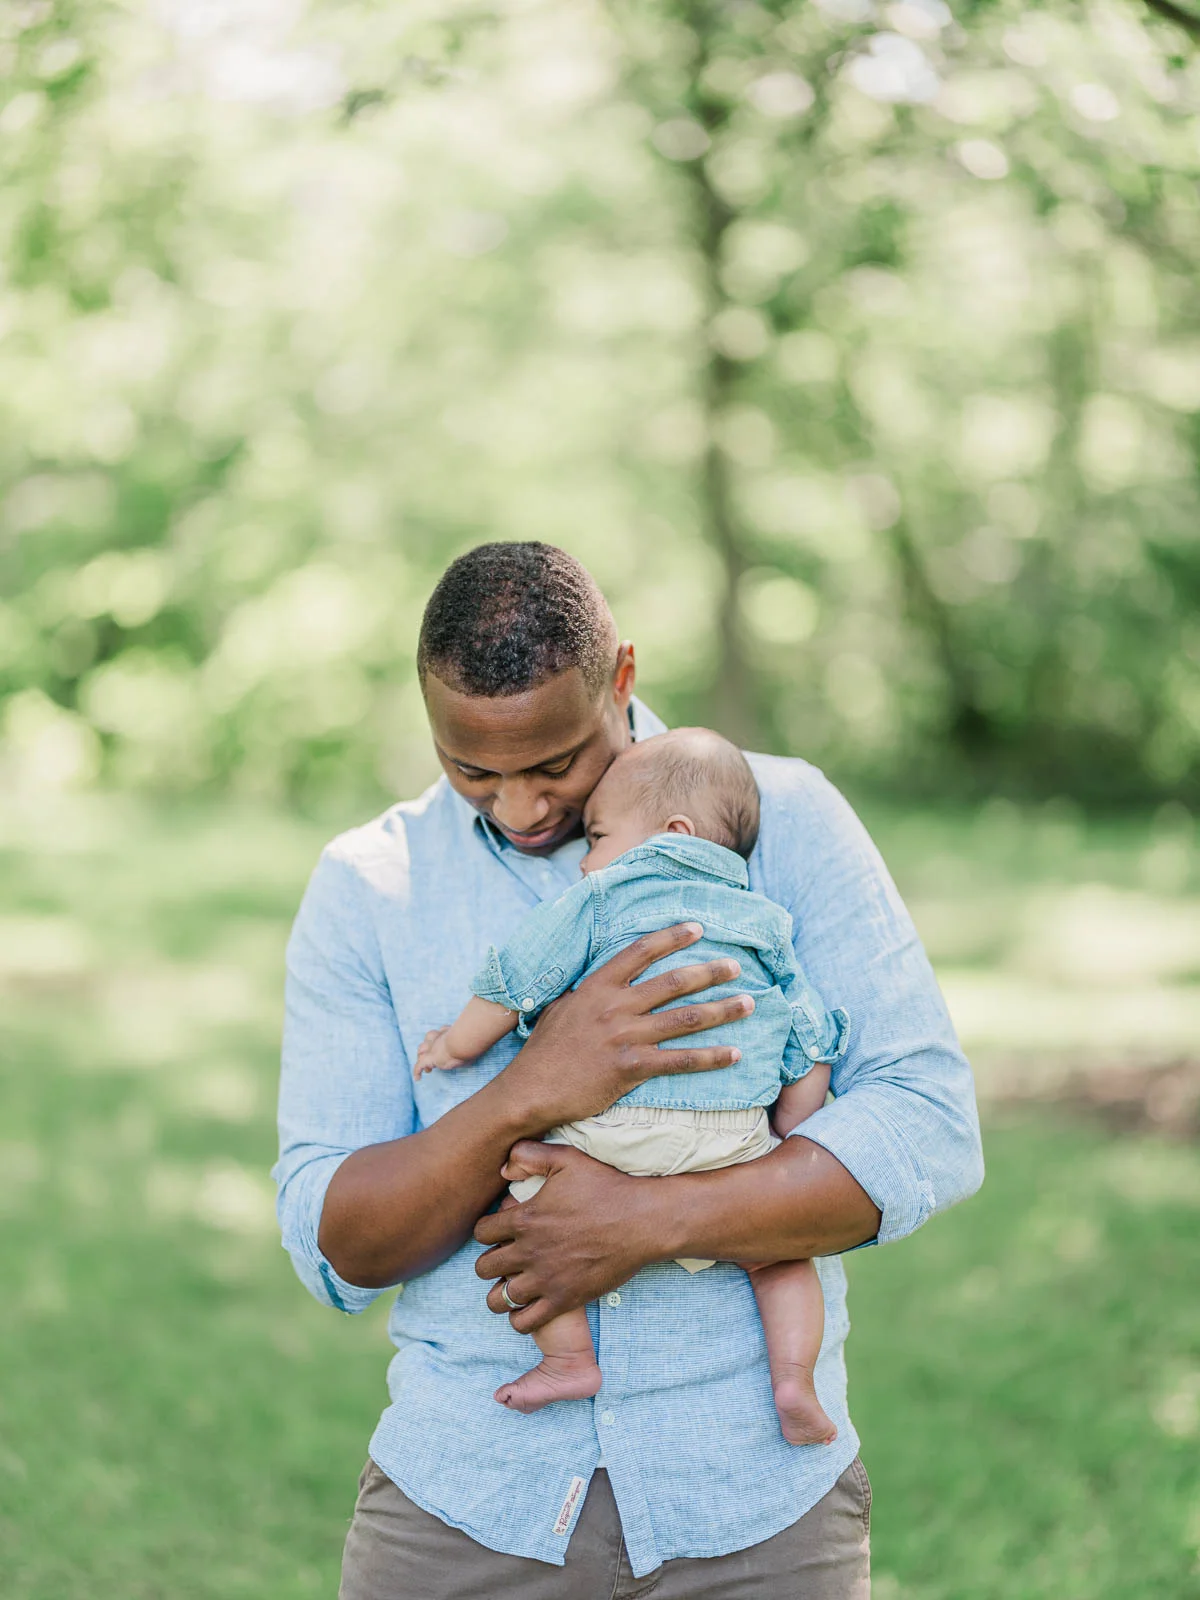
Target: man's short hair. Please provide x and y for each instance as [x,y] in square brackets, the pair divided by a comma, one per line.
[505,617]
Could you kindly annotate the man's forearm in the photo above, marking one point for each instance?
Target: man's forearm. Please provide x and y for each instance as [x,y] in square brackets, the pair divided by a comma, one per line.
[796,1203]
[397,1209]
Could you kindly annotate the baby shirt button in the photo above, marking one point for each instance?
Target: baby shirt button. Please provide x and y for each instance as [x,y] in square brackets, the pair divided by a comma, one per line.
[613,1299]
[608,1418]
[527,1003]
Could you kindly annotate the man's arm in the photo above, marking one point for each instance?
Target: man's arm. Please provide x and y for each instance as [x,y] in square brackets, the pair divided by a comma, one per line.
[591,1228]
[365,1201]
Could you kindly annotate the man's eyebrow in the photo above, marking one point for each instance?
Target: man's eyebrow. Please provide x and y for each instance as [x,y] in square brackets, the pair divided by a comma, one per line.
[548,761]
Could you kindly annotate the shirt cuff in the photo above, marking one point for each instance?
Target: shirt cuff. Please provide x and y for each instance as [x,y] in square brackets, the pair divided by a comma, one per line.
[524,993]
[822,1035]
[861,1134]
[301,1201]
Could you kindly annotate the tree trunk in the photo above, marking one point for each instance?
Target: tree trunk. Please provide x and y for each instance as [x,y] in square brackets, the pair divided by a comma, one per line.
[733,696]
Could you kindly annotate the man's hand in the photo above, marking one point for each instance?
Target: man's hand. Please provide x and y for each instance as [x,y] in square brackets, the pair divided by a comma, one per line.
[574,1240]
[590,1228]
[601,1040]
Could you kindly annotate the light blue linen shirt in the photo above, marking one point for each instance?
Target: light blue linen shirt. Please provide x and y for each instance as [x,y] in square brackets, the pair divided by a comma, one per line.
[397,918]
[674,878]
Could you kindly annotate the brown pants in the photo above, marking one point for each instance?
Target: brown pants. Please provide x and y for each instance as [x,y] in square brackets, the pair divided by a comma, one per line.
[396,1551]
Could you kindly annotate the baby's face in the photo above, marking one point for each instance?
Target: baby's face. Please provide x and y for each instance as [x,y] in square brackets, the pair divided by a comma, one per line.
[612,823]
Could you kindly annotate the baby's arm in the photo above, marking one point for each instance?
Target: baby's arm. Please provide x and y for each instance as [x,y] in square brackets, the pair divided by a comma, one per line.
[479,1025]
[800,1100]
[523,968]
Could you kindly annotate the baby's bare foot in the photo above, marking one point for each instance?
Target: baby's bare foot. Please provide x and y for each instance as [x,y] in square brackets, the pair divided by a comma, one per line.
[554,1378]
[801,1415]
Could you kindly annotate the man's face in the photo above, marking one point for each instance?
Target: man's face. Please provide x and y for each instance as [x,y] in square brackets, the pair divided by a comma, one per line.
[528,762]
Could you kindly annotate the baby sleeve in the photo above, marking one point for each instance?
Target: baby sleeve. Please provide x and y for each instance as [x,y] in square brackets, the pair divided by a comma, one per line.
[818,1034]
[548,953]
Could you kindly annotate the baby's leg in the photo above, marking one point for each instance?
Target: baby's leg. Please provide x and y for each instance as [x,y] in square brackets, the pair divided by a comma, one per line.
[567,1370]
[792,1309]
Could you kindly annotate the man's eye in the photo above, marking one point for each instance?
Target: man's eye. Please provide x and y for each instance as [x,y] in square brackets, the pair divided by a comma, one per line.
[472,777]
[559,771]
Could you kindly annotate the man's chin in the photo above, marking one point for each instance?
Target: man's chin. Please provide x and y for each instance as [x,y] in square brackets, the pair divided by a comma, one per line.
[544,842]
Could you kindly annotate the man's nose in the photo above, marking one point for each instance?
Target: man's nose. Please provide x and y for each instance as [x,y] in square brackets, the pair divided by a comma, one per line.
[520,807]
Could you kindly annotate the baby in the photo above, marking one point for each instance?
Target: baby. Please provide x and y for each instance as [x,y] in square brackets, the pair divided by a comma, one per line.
[670,827]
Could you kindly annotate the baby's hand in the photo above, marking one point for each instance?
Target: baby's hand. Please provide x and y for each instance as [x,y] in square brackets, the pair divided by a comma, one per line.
[434,1054]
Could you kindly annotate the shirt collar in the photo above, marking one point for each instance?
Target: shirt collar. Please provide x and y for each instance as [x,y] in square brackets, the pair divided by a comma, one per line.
[699,855]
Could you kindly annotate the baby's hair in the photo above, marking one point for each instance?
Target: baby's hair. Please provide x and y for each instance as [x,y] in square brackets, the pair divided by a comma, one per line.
[697,773]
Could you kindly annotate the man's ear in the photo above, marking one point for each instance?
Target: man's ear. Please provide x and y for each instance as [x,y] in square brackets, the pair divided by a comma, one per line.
[625,674]
[679,824]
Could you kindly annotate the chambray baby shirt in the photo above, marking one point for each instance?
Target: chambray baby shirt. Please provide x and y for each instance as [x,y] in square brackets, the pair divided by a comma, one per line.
[396,920]
[675,878]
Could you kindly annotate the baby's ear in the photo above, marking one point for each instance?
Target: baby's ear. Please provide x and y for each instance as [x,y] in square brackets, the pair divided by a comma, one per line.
[680,824]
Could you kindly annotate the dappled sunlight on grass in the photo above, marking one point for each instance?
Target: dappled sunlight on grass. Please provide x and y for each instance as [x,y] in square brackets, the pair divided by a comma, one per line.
[1060,942]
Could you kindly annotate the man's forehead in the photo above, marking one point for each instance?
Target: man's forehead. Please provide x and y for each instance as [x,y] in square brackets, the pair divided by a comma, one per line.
[513,732]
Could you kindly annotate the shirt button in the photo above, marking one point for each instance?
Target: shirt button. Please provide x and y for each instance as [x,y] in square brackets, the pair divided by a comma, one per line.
[527,1003]
[608,1418]
[613,1299]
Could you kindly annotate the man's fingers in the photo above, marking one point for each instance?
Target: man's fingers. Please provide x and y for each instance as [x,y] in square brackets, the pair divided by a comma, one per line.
[494,1227]
[679,982]
[522,1292]
[680,1020]
[631,962]
[533,1316]
[498,1262]
[530,1159]
[656,1061]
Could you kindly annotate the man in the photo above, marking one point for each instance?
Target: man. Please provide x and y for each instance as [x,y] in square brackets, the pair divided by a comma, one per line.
[530,696]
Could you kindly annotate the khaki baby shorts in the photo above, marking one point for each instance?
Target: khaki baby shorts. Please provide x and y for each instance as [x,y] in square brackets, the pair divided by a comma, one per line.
[660,1141]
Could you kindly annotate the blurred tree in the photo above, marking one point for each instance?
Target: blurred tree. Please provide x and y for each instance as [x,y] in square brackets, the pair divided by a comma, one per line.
[853,344]
[815,221]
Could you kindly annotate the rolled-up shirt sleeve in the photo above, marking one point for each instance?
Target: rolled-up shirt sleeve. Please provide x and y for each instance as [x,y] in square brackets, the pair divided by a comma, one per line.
[904,1122]
[345,1080]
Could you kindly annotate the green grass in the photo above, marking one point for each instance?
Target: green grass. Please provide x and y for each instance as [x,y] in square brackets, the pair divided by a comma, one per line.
[178,1419]
[1025,1375]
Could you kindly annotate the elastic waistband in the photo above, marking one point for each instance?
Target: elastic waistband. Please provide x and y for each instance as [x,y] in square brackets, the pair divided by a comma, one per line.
[739,1121]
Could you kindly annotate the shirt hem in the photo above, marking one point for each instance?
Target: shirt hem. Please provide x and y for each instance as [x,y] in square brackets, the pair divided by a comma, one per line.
[638,1560]
[711,1551]
[488,1541]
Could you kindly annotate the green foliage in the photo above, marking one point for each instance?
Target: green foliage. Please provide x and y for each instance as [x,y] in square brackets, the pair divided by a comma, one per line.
[855,348]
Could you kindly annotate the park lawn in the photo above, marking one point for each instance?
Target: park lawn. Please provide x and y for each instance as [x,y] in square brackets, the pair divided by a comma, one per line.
[178,1419]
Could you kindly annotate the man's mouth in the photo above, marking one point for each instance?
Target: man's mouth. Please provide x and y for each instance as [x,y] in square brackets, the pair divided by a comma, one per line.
[535,839]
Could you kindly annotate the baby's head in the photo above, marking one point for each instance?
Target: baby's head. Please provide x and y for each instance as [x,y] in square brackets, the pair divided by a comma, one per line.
[688,781]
